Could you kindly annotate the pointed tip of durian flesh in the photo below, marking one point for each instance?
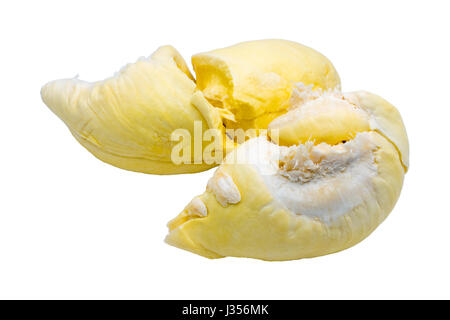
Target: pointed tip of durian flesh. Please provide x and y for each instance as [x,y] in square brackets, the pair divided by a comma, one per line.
[179,237]
[60,95]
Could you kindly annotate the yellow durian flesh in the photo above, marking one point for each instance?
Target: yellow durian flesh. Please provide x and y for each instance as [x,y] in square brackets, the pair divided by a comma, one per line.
[327,119]
[253,80]
[332,117]
[127,120]
[301,201]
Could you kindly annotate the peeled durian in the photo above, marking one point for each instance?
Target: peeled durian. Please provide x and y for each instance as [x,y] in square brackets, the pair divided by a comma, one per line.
[128,120]
[254,80]
[336,177]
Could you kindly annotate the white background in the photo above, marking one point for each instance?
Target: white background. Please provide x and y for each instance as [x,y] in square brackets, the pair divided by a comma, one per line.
[72,226]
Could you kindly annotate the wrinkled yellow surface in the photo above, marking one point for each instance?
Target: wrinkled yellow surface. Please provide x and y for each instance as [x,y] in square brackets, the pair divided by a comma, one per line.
[254,79]
[127,120]
[260,227]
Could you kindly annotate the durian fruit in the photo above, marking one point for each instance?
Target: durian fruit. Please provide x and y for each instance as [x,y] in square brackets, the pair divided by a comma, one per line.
[127,120]
[253,80]
[335,179]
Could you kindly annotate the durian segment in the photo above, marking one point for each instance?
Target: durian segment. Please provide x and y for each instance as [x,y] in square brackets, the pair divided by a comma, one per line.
[253,80]
[385,119]
[281,217]
[127,120]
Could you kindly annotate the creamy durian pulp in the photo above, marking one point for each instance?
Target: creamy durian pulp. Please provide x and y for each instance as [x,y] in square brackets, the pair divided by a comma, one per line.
[320,195]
